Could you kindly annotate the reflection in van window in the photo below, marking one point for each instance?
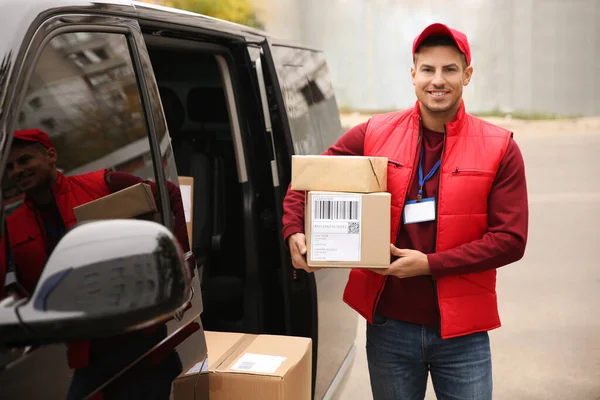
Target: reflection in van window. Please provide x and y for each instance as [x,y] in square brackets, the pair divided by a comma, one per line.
[309,99]
[81,135]
[84,95]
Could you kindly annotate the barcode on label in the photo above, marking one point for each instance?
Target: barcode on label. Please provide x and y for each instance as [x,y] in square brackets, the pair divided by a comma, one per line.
[336,209]
[246,365]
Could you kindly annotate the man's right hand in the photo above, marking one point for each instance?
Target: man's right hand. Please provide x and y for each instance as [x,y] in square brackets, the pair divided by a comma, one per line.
[297,246]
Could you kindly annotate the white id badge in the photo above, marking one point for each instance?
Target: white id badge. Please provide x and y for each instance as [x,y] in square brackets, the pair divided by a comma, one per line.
[419,212]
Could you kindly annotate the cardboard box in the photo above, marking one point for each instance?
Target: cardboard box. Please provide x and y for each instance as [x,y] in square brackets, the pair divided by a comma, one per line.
[250,367]
[348,230]
[186,186]
[339,173]
[131,202]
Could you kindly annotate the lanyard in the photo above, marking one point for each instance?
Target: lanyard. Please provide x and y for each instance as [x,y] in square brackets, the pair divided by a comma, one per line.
[53,232]
[61,228]
[428,176]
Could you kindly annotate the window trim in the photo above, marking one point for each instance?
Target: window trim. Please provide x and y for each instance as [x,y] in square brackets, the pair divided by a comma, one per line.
[137,50]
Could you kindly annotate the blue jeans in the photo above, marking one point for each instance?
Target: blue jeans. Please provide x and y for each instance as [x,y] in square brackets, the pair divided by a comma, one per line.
[401,356]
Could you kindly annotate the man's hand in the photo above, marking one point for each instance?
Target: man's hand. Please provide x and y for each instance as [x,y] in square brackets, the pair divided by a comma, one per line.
[410,263]
[297,245]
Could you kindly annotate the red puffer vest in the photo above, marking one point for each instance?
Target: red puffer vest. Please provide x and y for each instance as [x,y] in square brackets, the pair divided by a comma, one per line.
[28,239]
[472,153]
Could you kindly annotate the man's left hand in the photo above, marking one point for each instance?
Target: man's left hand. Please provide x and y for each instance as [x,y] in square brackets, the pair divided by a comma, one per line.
[409,263]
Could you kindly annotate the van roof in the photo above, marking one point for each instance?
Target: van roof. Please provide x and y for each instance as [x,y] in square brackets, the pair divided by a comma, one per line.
[144,12]
[149,11]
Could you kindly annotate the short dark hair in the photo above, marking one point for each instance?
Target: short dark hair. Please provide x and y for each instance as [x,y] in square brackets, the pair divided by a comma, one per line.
[439,40]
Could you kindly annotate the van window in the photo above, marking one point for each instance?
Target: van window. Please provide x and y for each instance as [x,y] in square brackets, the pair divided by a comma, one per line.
[83,135]
[309,99]
[84,95]
[82,113]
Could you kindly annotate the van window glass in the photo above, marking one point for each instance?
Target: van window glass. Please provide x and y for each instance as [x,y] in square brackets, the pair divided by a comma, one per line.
[309,99]
[81,135]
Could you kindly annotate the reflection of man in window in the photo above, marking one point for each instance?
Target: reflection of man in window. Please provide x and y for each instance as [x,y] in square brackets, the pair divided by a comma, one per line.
[36,227]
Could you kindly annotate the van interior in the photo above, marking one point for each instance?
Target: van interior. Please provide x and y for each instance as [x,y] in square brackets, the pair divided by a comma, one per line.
[193,97]
[239,294]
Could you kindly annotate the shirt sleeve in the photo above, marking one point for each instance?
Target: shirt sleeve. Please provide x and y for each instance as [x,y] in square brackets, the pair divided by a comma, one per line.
[508,216]
[351,143]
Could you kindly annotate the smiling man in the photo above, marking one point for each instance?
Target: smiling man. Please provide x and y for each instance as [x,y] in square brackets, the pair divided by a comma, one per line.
[459,212]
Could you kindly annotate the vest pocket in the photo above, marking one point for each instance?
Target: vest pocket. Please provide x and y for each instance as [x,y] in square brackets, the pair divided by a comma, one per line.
[23,239]
[470,172]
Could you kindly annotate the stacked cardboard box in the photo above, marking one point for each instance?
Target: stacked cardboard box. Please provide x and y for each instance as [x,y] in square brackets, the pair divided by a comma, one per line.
[347,214]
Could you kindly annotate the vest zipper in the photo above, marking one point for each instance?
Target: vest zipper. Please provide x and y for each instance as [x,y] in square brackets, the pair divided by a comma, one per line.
[412,177]
[458,171]
[435,230]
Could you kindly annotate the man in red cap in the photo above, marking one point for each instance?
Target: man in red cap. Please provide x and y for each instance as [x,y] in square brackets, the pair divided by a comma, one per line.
[459,211]
[35,228]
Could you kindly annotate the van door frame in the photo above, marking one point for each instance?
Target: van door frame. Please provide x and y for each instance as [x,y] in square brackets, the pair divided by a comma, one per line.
[253,288]
[292,278]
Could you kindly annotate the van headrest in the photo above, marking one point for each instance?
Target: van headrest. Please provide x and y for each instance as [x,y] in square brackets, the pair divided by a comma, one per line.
[174,110]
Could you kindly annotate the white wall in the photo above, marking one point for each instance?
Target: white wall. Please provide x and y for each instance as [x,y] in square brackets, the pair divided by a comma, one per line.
[530,55]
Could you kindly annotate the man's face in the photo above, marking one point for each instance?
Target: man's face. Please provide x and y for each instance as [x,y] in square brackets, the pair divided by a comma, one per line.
[439,75]
[31,166]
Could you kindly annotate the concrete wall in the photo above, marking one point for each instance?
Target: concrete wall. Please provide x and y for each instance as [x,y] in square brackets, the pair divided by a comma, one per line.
[528,55]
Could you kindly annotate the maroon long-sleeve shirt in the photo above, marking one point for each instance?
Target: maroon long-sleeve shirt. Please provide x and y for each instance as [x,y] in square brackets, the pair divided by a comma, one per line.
[413,299]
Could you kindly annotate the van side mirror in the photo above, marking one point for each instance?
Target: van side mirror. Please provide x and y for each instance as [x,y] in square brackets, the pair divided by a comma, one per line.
[103,278]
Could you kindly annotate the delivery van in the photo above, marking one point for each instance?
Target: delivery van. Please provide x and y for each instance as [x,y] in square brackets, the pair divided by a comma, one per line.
[207,114]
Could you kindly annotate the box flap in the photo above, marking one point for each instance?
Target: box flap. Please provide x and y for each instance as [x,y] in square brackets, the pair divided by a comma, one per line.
[379,168]
[220,346]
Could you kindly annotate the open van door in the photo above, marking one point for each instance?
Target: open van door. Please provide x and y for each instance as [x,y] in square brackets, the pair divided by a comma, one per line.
[299,288]
[302,117]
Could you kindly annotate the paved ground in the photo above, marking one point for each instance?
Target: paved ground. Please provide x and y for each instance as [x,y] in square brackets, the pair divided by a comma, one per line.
[549,345]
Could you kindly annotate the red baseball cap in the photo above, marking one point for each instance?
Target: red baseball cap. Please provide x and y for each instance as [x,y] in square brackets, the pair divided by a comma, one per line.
[438,29]
[34,135]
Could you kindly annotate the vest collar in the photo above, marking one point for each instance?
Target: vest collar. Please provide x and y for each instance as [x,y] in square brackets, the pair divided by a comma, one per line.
[452,128]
